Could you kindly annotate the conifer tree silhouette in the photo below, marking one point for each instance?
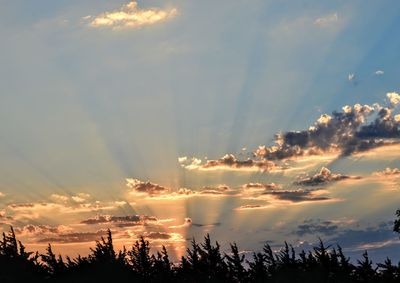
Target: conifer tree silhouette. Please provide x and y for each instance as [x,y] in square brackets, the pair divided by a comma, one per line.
[203,263]
[236,271]
[140,259]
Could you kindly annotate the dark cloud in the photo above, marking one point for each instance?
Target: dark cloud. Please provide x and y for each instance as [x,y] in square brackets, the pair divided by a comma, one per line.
[322,177]
[120,221]
[259,186]
[206,225]
[298,195]
[318,227]
[80,237]
[146,187]
[158,236]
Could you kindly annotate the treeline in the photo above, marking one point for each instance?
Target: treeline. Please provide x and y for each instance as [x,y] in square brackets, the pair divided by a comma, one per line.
[204,262]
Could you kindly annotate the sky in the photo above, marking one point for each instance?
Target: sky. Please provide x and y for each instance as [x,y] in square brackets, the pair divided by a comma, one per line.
[254,121]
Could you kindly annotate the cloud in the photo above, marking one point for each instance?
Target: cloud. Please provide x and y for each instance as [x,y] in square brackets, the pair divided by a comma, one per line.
[145,187]
[394,98]
[80,198]
[5,219]
[252,206]
[230,162]
[187,223]
[327,20]
[120,221]
[207,225]
[352,130]
[156,191]
[318,227]
[283,198]
[322,177]
[388,172]
[75,237]
[29,211]
[218,190]
[31,230]
[368,238]
[158,235]
[379,72]
[299,195]
[259,186]
[59,198]
[131,16]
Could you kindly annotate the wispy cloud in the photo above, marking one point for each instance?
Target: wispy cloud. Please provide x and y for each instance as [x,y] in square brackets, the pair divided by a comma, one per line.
[131,16]
[327,20]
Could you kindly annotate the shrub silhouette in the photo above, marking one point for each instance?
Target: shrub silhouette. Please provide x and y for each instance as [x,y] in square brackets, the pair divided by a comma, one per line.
[204,262]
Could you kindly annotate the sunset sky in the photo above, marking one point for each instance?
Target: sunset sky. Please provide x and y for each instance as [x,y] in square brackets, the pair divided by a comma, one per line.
[254,121]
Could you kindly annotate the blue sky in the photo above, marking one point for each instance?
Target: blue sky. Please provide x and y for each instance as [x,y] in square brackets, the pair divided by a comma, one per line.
[87,103]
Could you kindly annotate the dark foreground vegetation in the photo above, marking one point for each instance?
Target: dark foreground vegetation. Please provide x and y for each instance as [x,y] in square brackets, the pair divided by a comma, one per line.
[204,262]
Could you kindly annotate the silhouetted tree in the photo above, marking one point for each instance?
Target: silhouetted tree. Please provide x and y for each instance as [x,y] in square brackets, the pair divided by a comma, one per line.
[203,263]
[236,271]
[53,265]
[140,259]
[364,271]
[17,265]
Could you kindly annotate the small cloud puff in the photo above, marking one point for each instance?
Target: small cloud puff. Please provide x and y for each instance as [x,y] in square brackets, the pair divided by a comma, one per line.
[322,177]
[388,172]
[145,187]
[131,16]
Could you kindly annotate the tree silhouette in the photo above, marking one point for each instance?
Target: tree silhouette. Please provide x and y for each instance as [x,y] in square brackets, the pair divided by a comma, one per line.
[203,262]
[236,271]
